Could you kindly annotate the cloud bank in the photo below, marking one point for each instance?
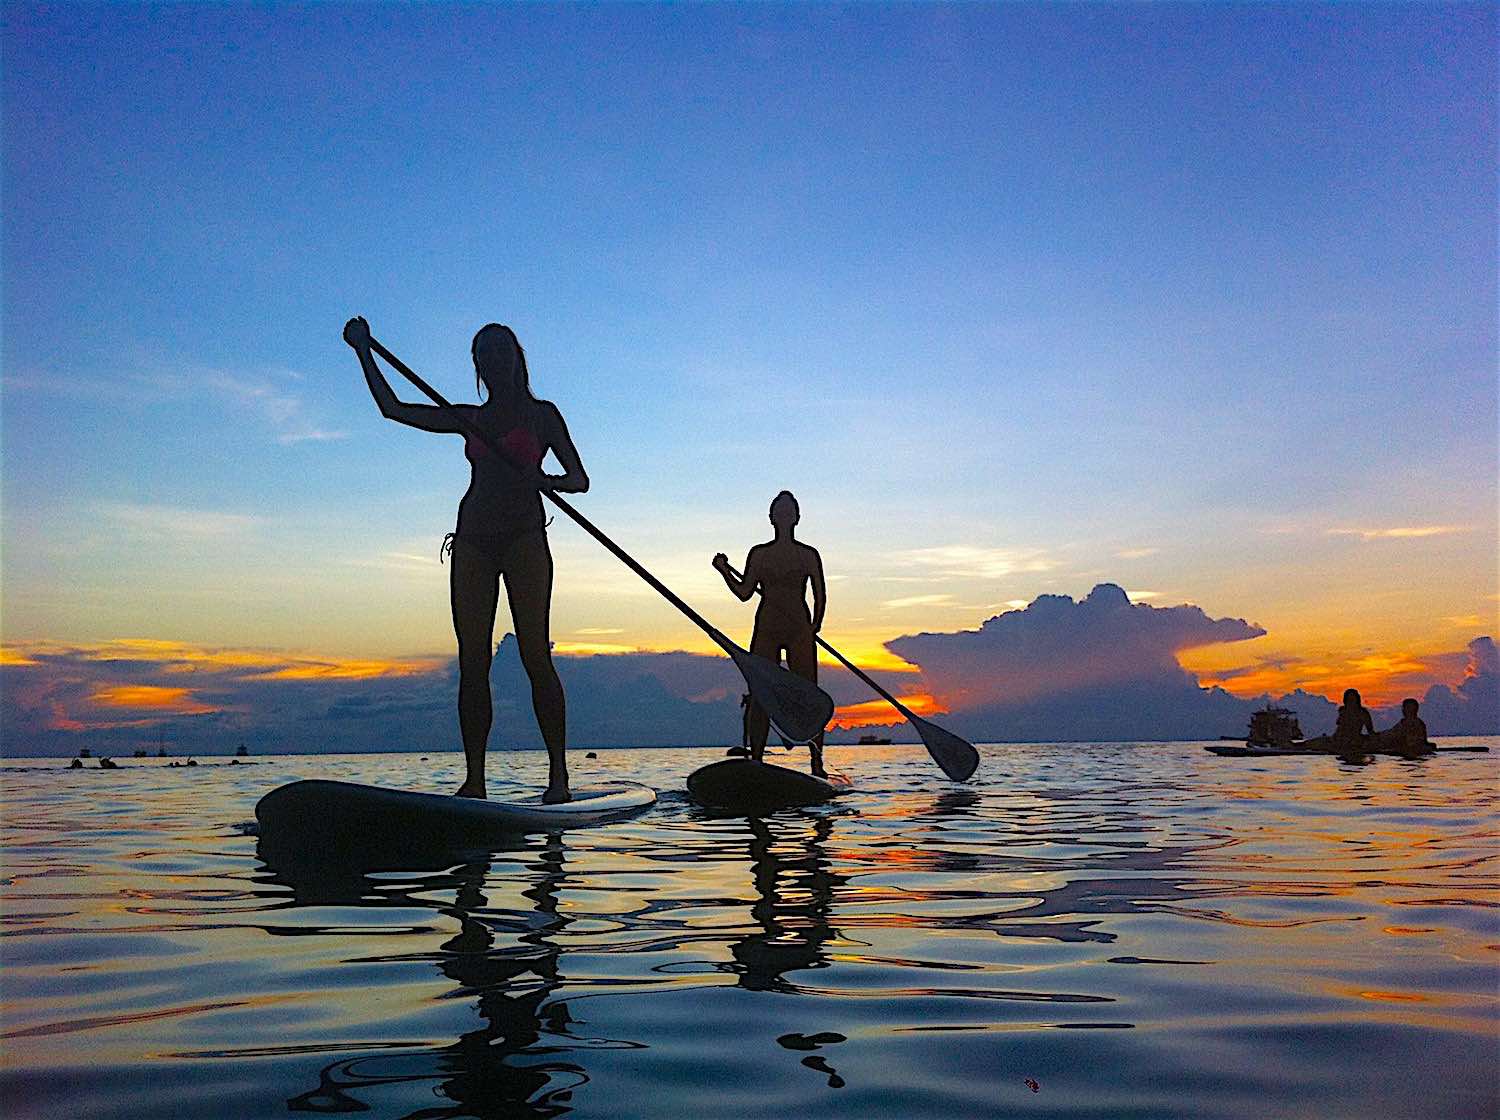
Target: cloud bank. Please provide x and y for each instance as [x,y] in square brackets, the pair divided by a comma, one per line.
[1098,669]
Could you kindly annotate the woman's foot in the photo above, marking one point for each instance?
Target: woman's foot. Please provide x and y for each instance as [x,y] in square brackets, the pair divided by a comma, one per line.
[556,795]
[470,788]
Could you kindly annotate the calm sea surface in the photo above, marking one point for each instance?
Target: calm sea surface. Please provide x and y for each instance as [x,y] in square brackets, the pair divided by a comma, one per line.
[1095,930]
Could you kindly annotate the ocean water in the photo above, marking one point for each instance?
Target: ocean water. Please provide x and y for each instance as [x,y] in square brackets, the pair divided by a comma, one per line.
[1099,930]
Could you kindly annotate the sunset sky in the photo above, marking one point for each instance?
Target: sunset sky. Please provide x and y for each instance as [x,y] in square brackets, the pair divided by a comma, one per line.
[1198,301]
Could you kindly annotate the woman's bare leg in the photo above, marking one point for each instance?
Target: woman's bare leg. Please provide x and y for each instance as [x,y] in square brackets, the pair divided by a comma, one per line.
[474,591]
[802,659]
[528,587]
[757,723]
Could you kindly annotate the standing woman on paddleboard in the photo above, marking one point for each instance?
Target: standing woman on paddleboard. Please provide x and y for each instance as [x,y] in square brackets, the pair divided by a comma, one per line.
[500,532]
[782,569]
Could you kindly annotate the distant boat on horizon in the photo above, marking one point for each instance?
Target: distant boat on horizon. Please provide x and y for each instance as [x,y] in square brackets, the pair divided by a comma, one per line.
[874,741]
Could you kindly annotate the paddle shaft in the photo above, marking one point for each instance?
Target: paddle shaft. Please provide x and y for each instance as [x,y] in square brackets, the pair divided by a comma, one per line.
[583,522]
[846,663]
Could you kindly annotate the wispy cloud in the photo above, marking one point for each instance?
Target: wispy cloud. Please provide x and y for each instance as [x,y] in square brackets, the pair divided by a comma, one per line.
[269,396]
[175,521]
[968,561]
[1400,532]
[918,601]
[1136,553]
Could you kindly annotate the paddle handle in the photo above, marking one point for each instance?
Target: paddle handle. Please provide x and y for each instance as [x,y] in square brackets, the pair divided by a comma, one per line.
[845,662]
[583,522]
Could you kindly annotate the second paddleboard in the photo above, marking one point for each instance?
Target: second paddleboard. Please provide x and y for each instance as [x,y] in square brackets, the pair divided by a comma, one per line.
[746,786]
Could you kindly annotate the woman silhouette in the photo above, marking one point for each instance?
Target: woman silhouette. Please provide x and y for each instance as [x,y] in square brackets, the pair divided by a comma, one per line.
[500,532]
[782,569]
[1354,727]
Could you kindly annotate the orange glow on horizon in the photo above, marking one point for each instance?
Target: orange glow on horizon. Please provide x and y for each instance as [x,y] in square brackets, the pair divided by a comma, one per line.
[876,713]
[348,670]
[593,649]
[1383,680]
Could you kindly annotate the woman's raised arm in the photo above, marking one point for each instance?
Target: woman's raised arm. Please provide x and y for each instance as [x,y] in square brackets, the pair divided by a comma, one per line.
[428,417]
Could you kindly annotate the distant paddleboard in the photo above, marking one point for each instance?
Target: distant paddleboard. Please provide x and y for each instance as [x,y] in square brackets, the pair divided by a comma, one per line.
[1225,751]
[344,812]
[746,786]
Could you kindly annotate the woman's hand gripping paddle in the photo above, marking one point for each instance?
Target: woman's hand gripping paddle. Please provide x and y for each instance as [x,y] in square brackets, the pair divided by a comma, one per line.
[798,708]
[956,757]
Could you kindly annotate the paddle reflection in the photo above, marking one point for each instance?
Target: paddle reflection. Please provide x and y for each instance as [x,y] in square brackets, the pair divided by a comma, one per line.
[512,1064]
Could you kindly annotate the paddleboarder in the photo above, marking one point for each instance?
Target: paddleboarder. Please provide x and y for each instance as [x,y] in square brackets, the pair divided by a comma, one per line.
[501,533]
[781,569]
[1354,727]
[1409,737]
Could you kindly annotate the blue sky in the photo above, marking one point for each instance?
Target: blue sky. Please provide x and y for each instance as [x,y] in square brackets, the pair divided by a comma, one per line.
[1195,299]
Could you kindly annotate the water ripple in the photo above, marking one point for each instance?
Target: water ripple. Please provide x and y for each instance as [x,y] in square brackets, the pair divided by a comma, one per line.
[889,954]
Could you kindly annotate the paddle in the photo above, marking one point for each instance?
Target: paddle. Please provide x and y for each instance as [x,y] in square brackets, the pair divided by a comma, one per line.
[957,757]
[798,708]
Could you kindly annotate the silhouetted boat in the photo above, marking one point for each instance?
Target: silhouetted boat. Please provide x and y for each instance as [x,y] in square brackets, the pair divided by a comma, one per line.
[873,741]
[1273,727]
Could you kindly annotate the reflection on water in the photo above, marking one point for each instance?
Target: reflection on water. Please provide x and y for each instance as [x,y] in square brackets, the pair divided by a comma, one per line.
[503,1067]
[1089,931]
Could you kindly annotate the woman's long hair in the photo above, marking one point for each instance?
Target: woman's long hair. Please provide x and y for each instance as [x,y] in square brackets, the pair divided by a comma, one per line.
[525,378]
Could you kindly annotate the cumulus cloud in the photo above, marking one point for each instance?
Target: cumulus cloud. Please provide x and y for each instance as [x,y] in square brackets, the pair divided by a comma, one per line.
[1101,668]
[1473,706]
[1057,645]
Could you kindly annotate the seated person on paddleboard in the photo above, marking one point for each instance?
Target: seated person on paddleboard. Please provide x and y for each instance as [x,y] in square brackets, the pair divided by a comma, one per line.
[1354,727]
[1410,735]
[501,532]
[781,569]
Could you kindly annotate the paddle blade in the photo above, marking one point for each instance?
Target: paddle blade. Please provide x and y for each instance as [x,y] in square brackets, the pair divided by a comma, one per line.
[798,708]
[957,757]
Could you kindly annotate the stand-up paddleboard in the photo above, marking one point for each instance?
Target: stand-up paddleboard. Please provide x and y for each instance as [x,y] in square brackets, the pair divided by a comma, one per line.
[746,786]
[318,811]
[1226,751]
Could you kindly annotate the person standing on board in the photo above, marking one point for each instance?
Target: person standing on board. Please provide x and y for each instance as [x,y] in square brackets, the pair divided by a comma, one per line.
[501,532]
[781,569]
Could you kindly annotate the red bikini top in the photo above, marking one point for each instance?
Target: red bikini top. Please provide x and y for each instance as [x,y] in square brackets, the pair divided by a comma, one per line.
[519,444]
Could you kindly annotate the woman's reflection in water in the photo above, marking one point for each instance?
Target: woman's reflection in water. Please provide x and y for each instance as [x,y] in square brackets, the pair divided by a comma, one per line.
[480,1072]
[794,889]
